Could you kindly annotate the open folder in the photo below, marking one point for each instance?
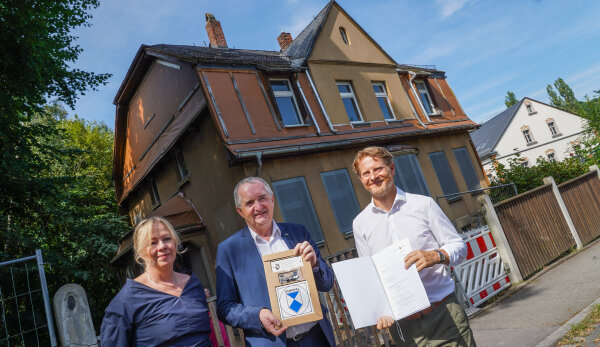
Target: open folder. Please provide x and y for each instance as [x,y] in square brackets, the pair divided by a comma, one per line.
[379,286]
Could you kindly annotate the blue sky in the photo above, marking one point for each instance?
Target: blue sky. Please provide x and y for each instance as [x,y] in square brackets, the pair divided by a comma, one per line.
[485,47]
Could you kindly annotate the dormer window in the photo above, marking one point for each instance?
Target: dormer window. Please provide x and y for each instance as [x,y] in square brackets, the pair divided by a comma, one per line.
[286,102]
[344,36]
[425,97]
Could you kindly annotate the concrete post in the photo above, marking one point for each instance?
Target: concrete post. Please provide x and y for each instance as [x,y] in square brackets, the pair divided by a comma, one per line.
[595,168]
[514,273]
[565,212]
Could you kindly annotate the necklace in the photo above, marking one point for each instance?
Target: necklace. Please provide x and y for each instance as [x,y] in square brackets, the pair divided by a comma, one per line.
[164,284]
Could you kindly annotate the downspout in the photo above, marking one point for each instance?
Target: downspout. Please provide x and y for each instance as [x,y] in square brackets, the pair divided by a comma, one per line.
[258,163]
[314,89]
[410,83]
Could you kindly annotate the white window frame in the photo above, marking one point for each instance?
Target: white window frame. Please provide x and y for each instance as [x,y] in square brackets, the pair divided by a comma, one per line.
[551,155]
[350,96]
[553,128]
[181,166]
[154,195]
[384,94]
[286,94]
[422,88]
[528,136]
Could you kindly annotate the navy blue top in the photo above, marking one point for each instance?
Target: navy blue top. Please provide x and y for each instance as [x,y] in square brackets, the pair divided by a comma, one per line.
[142,316]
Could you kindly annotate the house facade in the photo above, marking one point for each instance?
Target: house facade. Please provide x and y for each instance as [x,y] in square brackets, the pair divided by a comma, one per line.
[530,129]
[193,121]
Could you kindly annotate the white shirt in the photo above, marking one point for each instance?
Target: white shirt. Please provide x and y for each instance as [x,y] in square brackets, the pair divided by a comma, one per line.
[276,243]
[421,220]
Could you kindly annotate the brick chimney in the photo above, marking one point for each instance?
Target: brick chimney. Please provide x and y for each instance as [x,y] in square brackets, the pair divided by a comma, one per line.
[214,31]
[284,39]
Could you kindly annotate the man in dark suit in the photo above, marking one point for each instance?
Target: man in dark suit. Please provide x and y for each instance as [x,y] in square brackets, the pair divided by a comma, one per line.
[242,295]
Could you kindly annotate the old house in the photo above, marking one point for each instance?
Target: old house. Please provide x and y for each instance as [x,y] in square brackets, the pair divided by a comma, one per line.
[192,121]
[530,129]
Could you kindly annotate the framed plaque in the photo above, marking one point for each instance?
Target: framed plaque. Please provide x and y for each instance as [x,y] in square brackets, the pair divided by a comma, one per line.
[292,289]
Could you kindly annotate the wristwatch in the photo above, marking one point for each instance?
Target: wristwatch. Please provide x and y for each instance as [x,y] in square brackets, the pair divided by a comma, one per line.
[442,256]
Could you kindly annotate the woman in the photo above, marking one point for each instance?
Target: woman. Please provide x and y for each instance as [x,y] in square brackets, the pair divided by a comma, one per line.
[160,307]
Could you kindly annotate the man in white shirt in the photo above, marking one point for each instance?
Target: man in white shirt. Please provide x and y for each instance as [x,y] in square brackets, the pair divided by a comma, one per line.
[242,295]
[394,215]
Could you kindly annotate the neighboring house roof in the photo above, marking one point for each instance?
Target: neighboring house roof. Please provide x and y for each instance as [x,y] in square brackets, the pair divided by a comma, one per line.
[486,138]
[301,46]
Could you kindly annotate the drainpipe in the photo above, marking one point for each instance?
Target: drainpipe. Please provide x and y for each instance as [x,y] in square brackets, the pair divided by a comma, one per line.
[413,75]
[312,85]
[258,162]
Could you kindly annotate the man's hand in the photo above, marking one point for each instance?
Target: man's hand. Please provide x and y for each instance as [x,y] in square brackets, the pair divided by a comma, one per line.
[385,322]
[423,259]
[307,252]
[271,323]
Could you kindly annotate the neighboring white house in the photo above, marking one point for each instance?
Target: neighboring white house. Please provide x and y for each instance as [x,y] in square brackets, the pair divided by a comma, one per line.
[530,128]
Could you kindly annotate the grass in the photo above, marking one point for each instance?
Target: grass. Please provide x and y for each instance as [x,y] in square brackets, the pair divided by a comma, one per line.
[576,336]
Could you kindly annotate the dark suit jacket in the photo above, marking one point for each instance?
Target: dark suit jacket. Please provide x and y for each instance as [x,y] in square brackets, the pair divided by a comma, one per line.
[242,287]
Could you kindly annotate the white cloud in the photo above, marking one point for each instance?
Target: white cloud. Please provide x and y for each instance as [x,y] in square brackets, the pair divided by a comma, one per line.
[449,7]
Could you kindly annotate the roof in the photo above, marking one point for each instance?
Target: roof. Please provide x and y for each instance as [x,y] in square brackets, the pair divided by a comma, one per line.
[301,46]
[208,55]
[487,137]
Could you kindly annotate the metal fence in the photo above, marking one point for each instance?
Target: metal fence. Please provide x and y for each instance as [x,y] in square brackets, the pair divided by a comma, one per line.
[25,304]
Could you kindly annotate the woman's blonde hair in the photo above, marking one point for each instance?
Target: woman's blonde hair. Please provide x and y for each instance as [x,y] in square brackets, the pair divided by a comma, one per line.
[142,237]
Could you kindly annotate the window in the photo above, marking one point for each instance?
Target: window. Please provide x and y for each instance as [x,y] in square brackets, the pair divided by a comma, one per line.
[409,176]
[444,174]
[344,36]
[552,126]
[383,100]
[551,155]
[527,135]
[425,98]
[154,197]
[525,162]
[466,168]
[349,100]
[530,108]
[341,197]
[182,172]
[296,205]
[286,101]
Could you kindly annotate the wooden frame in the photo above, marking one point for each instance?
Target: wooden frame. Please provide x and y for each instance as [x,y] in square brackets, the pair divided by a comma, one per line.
[287,273]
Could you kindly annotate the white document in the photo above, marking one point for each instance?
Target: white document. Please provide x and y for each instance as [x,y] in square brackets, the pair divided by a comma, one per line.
[379,286]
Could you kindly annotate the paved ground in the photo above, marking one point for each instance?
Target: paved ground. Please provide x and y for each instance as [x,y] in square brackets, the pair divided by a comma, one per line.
[543,305]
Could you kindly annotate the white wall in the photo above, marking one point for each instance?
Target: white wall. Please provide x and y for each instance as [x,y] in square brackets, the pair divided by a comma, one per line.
[569,127]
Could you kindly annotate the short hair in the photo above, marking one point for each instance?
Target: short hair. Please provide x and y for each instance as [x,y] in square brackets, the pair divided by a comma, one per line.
[142,236]
[236,195]
[374,152]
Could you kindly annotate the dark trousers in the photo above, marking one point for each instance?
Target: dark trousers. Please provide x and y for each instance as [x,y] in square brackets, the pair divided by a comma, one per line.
[446,325]
[314,338]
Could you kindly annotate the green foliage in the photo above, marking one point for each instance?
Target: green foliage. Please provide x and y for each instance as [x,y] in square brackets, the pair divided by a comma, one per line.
[563,97]
[528,177]
[76,226]
[590,110]
[510,99]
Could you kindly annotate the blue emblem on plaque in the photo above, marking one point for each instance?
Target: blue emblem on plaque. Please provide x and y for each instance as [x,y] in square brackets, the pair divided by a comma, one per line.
[294,304]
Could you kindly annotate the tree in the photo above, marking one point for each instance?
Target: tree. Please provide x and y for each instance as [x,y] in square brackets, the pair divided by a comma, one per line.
[510,99]
[563,97]
[37,51]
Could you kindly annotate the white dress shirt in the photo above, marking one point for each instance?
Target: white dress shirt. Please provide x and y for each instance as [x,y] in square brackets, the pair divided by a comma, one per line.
[276,243]
[421,220]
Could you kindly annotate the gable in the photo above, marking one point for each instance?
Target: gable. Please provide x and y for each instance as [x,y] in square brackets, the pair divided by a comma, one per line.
[361,48]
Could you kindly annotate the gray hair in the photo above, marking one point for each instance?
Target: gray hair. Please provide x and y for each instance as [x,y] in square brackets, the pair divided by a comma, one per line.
[236,196]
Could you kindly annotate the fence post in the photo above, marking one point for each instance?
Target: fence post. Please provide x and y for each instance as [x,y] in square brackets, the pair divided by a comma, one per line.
[514,273]
[40,264]
[595,168]
[565,212]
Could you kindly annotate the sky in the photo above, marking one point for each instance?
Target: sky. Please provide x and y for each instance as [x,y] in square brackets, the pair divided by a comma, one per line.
[486,48]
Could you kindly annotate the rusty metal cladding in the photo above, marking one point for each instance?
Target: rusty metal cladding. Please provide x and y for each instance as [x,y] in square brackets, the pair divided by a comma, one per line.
[535,228]
[237,91]
[160,132]
[582,199]
[214,101]
[312,116]
[262,88]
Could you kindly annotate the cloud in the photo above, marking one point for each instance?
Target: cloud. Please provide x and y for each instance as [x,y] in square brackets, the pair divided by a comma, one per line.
[449,7]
